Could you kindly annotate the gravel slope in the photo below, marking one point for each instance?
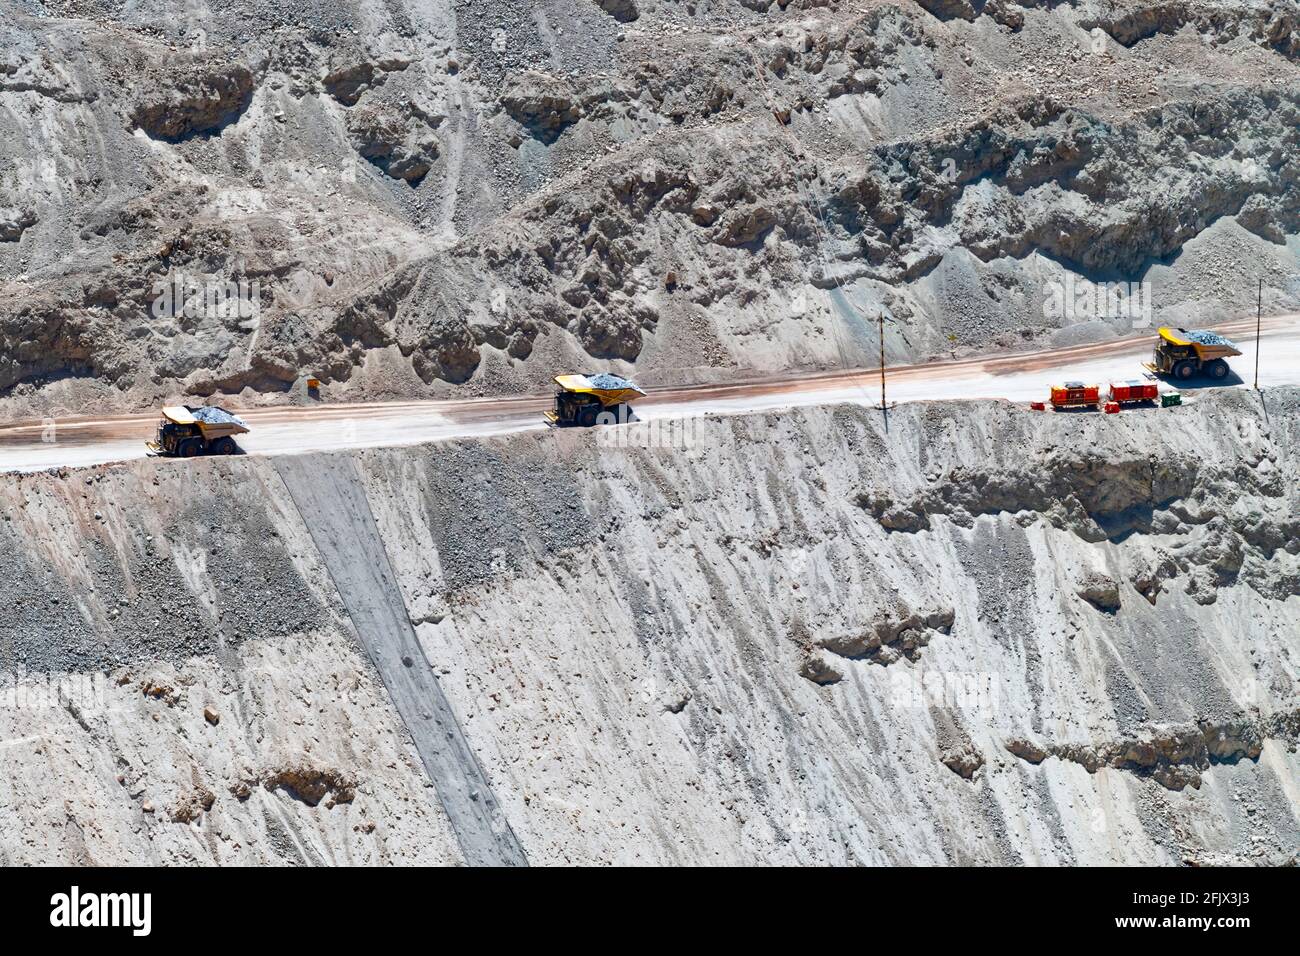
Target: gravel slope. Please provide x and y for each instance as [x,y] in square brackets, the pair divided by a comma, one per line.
[435,198]
[983,635]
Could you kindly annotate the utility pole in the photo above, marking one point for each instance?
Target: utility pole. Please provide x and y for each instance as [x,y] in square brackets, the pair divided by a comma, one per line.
[1259,318]
[883,406]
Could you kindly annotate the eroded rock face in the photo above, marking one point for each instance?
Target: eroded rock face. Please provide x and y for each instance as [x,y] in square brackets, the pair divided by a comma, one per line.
[897,633]
[348,83]
[311,785]
[1009,13]
[1100,590]
[624,11]
[402,146]
[1054,169]
[1184,506]
[544,105]
[14,222]
[957,751]
[1173,756]
[194,100]
[1027,750]
[819,670]
[745,226]
[953,9]
[1262,218]
[963,760]
[192,804]
[682,590]
[1270,25]
[681,200]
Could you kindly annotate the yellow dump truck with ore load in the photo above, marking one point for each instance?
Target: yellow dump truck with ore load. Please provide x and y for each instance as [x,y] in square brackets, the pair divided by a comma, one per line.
[188,431]
[1186,353]
[583,399]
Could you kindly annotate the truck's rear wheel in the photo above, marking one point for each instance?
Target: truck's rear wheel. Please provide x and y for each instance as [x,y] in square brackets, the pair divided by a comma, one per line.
[1184,370]
[1217,369]
[222,446]
[190,448]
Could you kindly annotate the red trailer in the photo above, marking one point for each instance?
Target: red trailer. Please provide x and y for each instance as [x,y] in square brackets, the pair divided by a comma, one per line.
[1076,395]
[1133,391]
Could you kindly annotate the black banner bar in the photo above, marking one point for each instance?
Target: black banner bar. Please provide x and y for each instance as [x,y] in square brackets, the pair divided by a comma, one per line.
[332,907]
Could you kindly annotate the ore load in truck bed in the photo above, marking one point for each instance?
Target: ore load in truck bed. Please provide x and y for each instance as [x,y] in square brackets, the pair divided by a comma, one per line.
[213,415]
[1203,337]
[610,382]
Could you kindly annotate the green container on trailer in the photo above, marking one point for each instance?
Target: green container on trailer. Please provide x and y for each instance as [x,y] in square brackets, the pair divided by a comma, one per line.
[1170,398]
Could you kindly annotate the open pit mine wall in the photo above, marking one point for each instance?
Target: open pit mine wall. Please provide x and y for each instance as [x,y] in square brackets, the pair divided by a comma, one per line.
[972,633]
[428,198]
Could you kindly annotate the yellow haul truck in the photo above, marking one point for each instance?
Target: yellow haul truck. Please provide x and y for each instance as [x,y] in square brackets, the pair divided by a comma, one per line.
[582,399]
[187,432]
[1186,353]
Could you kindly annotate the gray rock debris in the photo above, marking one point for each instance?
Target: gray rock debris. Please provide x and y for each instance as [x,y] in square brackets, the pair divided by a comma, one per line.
[402,145]
[347,83]
[1172,755]
[895,634]
[544,105]
[742,159]
[624,11]
[198,99]
[1099,590]
[14,222]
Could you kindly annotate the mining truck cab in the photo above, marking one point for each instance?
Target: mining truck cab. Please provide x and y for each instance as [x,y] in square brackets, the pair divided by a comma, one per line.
[1185,353]
[587,400]
[186,432]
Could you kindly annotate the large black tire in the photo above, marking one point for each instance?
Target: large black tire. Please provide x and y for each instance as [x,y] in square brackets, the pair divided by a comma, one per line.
[222,446]
[587,415]
[190,448]
[1217,369]
[1184,370]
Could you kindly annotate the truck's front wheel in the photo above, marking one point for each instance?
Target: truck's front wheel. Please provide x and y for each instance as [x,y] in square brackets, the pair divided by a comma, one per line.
[1184,370]
[588,414]
[190,448]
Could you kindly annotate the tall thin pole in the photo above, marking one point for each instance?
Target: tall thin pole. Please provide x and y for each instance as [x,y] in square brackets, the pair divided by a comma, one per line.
[1259,317]
[882,361]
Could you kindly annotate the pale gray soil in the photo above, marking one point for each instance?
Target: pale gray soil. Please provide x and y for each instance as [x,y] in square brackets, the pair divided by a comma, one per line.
[445,197]
[981,635]
[332,501]
[736,631]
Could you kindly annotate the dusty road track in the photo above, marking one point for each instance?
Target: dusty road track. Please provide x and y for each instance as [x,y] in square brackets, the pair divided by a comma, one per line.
[32,445]
[332,502]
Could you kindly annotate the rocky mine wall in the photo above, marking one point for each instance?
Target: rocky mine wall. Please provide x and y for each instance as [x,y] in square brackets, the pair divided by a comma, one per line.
[428,198]
[967,633]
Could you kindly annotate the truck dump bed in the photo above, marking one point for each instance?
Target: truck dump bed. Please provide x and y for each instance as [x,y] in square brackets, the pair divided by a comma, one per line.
[610,389]
[1208,345]
[212,421]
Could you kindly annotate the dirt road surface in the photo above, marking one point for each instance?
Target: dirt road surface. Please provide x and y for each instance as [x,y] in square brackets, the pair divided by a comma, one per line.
[35,445]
